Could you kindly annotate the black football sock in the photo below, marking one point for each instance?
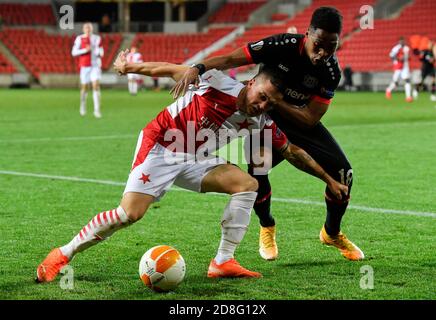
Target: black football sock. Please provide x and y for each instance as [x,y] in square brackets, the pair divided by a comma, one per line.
[262,206]
[335,211]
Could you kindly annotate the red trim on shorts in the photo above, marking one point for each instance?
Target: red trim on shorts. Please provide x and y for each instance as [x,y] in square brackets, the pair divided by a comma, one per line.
[248,55]
[321,100]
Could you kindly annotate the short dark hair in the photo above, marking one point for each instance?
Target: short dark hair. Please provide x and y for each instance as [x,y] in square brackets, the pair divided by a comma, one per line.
[328,19]
[276,78]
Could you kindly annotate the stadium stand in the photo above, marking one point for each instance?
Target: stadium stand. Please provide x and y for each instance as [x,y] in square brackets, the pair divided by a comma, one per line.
[235,12]
[349,10]
[6,66]
[368,50]
[176,48]
[27,14]
[24,34]
[35,50]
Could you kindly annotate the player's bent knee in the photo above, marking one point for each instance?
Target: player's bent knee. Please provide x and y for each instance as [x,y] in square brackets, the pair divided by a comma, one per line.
[135,205]
[134,214]
[246,185]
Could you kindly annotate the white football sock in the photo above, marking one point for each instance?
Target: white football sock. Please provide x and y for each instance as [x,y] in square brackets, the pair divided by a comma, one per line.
[83,96]
[99,228]
[130,87]
[234,224]
[408,89]
[96,97]
[135,87]
[391,87]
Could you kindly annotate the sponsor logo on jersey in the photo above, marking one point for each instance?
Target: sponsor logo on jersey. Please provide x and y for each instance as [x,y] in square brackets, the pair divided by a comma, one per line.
[309,81]
[296,95]
[286,69]
[257,46]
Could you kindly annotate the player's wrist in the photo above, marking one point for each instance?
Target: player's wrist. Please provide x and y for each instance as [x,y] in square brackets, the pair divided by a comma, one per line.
[200,67]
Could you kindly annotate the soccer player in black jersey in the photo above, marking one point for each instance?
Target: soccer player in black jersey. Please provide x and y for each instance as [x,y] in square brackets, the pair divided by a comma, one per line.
[308,64]
[427,59]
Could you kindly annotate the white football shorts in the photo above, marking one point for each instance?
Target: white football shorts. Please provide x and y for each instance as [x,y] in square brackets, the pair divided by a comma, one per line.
[89,74]
[133,76]
[403,73]
[162,168]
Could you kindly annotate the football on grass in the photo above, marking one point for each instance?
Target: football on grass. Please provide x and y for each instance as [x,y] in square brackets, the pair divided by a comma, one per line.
[162,268]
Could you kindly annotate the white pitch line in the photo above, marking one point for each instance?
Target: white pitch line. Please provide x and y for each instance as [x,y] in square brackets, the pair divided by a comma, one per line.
[382,124]
[283,200]
[128,136]
[121,136]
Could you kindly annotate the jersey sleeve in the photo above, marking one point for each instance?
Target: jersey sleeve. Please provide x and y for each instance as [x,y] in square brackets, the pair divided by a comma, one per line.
[279,139]
[268,49]
[76,51]
[330,82]
[218,80]
[99,51]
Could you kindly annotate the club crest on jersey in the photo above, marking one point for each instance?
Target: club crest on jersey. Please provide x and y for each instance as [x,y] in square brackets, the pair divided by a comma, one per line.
[310,82]
[257,46]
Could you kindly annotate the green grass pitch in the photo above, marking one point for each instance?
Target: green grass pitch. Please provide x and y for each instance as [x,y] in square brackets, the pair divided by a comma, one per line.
[391,145]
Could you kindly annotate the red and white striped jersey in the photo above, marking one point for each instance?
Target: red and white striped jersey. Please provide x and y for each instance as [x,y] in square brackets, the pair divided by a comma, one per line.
[207,117]
[401,56]
[91,58]
[134,57]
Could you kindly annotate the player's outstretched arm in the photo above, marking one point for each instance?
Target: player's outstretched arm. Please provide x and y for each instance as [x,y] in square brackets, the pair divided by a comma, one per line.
[235,59]
[306,116]
[303,161]
[151,69]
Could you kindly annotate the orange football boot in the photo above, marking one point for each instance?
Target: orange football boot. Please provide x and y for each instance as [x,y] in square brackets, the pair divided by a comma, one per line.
[348,249]
[388,94]
[230,269]
[267,243]
[51,266]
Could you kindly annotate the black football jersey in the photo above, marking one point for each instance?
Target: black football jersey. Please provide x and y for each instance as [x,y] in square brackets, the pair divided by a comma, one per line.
[305,81]
[427,59]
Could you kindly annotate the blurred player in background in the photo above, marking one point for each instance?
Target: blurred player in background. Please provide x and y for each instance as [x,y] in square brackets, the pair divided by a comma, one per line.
[292,29]
[427,59]
[88,48]
[400,55]
[133,79]
[220,105]
[311,70]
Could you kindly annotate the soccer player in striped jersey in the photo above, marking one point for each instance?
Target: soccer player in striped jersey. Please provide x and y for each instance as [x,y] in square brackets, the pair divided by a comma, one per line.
[133,57]
[400,55]
[89,49]
[176,148]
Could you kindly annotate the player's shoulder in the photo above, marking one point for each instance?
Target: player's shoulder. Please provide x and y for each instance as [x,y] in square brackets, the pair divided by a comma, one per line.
[287,40]
[95,36]
[220,81]
[216,76]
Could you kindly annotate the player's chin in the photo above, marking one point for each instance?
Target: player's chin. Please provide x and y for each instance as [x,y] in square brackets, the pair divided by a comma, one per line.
[254,113]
